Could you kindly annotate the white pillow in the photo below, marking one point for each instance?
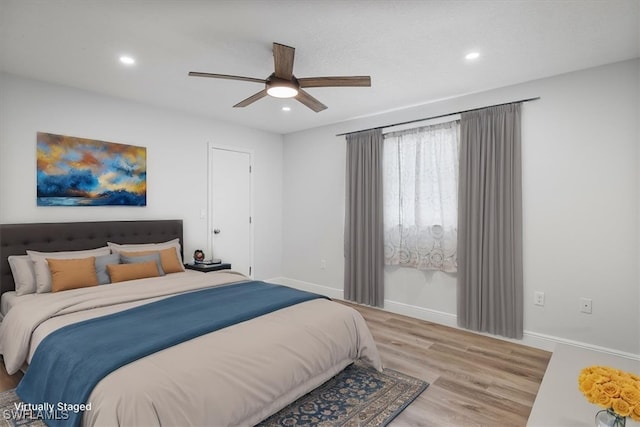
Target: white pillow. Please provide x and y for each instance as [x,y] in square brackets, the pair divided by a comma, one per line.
[23,275]
[41,268]
[175,243]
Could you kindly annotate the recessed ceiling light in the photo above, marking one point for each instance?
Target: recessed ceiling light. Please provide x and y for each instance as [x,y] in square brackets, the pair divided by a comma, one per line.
[127,60]
[286,108]
[472,55]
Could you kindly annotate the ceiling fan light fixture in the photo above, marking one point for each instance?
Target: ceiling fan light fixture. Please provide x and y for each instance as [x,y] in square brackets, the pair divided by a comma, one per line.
[282,91]
[279,88]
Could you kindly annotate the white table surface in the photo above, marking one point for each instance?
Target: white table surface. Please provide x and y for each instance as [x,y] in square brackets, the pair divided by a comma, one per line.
[559,402]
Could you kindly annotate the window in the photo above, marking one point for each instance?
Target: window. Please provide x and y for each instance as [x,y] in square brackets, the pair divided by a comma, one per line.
[420,170]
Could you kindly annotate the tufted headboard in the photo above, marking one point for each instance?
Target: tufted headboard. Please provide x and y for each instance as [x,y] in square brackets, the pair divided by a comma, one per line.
[15,239]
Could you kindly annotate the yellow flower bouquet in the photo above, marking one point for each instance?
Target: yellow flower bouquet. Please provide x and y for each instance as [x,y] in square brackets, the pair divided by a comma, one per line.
[612,389]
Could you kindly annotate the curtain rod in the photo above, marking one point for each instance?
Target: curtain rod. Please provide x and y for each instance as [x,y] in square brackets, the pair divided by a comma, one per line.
[439,116]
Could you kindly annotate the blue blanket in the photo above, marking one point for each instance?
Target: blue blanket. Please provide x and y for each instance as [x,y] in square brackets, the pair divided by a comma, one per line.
[69,362]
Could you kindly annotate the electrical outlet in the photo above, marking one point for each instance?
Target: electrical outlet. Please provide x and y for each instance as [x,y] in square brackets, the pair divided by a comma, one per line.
[323,264]
[585,305]
[538,298]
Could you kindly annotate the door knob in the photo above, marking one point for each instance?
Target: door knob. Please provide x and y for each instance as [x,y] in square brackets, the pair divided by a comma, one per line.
[216,231]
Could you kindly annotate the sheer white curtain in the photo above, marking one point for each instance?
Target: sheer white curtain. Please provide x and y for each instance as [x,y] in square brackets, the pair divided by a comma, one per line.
[420,169]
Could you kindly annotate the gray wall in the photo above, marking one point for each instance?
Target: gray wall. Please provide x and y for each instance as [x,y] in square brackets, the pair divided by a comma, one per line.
[580,186]
[176,161]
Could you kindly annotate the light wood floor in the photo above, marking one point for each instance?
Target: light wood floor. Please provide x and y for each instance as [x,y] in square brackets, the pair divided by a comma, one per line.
[8,381]
[474,380]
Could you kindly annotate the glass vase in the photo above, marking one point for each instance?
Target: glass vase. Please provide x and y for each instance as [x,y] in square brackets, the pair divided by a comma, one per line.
[608,418]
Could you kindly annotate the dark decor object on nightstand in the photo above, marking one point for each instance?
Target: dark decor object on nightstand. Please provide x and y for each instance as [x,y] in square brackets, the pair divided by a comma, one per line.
[198,255]
[205,268]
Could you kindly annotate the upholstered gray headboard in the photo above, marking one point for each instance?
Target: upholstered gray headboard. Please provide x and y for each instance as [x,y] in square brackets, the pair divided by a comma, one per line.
[15,239]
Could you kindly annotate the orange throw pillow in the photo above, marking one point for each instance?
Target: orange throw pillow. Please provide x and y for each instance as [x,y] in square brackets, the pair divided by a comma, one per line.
[72,273]
[168,259]
[123,272]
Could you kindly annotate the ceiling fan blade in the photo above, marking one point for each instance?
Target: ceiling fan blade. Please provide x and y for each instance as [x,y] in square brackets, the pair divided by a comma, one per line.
[310,101]
[283,60]
[252,99]
[359,81]
[225,76]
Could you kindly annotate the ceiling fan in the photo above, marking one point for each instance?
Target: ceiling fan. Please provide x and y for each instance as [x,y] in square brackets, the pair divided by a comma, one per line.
[283,84]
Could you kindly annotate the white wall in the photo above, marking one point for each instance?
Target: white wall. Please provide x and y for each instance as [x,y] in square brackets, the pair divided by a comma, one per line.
[176,161]
[580,201]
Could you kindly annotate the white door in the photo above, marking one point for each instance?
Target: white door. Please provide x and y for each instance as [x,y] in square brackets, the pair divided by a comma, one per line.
[230,207]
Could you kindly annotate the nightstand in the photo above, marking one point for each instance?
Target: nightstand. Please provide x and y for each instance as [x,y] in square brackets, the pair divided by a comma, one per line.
[206,268]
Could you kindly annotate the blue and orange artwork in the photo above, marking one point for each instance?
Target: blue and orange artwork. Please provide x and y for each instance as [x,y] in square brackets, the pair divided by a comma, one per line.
[85,172]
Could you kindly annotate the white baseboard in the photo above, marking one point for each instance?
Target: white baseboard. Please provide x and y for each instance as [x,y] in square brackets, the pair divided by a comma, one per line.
[451,320]
[530,338]
[435,316]
[309,287]
[557,340]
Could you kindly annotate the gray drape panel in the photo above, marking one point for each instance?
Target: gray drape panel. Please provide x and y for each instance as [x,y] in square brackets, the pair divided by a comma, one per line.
[490,222]
[363,231]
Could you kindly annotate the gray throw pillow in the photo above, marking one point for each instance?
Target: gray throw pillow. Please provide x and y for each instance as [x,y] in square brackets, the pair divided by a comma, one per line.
[101,267]
[133,259]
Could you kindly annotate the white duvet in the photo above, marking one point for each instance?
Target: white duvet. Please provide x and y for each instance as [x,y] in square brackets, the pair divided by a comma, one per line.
[232,377]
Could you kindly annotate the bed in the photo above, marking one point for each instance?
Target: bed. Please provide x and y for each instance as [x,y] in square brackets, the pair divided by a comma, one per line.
[237,375]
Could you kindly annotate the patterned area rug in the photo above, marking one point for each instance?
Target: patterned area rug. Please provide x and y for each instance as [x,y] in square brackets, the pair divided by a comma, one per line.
[358,396]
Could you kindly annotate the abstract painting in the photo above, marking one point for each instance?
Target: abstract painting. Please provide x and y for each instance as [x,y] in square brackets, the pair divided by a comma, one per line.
[85,172]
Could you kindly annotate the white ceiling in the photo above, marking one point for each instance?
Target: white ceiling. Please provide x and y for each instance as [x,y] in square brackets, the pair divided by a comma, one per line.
[413,50]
